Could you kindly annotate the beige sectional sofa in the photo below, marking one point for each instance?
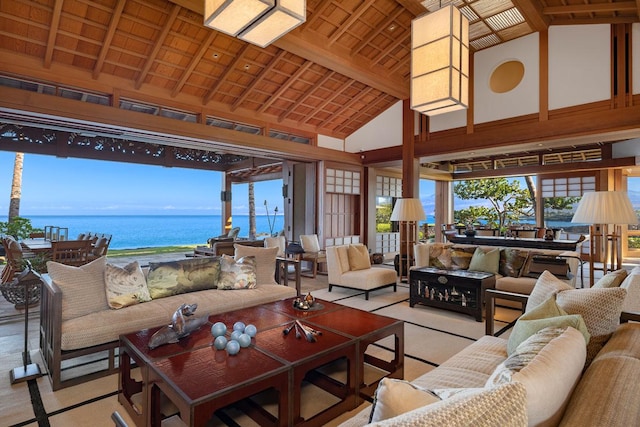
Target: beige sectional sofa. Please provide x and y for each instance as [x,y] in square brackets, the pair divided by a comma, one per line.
[558,391]
[512,274]
[77,320]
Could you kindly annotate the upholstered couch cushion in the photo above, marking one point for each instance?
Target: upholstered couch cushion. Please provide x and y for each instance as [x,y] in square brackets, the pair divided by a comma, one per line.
[488,261]
[237,273]
[549,376]
[83,288]
[546,286]
[394,397]
[178,277]
[612,279]
[499,406]
[265,262]
[545,315]
[126,285]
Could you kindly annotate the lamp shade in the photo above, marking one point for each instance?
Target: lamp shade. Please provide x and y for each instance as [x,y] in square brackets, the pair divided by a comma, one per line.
[255,21]
[440,62]
[605,207]
[408,210]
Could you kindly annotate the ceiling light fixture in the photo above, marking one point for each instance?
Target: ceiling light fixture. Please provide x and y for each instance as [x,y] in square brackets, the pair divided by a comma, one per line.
[440,62]
[259,22]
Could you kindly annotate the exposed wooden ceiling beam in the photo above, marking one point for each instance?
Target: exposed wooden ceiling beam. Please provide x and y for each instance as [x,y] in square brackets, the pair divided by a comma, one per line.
[590,8]
[377,30]
[283,88]
[265,70]
[229,70]
[339,60]
[305,95]
[106,43]
[532,12]
[595,20]
[355,15]
[327,100]
[346,106]
[195,60]
[53,32]
[638,8]
[156,48]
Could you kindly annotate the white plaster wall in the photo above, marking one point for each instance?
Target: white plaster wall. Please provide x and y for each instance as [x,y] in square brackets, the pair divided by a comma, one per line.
[325,141]
[523,99]
[628,148]
[635,54]
[579,64]
[452,120]
[381,132]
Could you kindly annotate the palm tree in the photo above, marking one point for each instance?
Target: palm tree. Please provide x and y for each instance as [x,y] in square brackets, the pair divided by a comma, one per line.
[16,187]
[252,212]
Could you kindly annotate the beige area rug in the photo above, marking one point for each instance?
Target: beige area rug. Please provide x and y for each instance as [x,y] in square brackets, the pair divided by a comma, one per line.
[431,336]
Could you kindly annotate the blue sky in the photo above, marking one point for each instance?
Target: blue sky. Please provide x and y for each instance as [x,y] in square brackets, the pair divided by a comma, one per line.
[57,186]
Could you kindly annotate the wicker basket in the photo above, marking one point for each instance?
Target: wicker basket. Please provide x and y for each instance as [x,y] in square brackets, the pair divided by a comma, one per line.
[14,292]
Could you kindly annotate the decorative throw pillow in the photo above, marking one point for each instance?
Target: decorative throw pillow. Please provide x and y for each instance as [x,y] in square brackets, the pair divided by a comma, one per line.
[395,397]
[545,315]
[439,256]
[237,274]
[179,277]
[82,287]
[503,406]
[126,285]
[612,279]
[485,261]
[549,365]
[265,262]
[358,257]
[512,261]
[546,286]
[600,308]
[461,257]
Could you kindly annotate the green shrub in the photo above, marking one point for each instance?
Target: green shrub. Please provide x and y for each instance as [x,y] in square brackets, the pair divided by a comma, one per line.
[19,228]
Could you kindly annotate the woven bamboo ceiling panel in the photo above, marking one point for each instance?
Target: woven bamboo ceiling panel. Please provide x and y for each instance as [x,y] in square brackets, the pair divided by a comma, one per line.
[348,63]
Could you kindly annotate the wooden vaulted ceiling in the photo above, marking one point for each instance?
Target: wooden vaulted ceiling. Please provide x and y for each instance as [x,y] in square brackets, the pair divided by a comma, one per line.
[348,63]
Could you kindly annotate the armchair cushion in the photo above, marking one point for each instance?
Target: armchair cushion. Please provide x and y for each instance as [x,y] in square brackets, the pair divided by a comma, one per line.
[310,242]
[358,256]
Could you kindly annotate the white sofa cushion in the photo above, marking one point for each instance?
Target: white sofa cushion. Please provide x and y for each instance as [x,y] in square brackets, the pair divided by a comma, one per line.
[550,374]
[503,406]
[83,288]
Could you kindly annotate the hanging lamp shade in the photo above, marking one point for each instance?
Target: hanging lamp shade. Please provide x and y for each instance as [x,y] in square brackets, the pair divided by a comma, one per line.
[259,22]
[440,62]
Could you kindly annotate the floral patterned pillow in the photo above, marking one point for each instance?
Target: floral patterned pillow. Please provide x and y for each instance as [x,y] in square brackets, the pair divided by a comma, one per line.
[237,274]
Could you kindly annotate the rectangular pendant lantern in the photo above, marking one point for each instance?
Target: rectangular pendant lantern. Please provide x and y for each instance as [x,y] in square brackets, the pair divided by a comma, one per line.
[440,62]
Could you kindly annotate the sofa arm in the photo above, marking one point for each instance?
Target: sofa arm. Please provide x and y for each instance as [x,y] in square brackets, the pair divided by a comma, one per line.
[490,308]
[51,326]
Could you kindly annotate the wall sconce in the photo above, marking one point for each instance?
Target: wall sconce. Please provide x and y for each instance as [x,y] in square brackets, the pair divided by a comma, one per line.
[440,62]
[259,22]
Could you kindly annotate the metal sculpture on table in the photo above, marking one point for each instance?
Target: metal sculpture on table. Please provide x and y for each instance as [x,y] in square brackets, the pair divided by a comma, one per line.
[180,327]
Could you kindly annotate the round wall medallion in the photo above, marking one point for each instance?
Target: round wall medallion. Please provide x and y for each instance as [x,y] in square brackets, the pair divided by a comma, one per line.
[506,76]
[442,279]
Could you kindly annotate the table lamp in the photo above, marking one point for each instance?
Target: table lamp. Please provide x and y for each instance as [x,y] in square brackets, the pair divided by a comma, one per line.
[601,208]
[408,212]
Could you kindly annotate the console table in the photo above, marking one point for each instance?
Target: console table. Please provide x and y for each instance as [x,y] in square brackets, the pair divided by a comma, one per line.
[531,243]
[455,290]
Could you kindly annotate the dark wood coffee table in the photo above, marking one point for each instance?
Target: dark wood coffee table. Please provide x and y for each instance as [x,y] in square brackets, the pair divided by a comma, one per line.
[200,380]
[455,290]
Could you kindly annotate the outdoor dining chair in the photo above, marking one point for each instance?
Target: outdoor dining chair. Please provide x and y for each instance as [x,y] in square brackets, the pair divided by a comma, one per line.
[71,252]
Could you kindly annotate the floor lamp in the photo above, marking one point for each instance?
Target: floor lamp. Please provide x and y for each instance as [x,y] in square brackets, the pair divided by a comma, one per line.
[408,212]
[603,209]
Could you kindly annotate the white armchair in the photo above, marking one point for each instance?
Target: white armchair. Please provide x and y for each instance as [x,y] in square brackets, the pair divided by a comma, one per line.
[312,252]
[349,267]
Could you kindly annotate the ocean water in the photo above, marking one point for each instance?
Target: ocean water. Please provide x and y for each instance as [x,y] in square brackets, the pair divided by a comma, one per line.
[141,231]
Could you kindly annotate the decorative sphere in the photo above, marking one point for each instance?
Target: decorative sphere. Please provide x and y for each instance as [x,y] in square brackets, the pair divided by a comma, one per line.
[238,326]
[232,347]
[244,340]
[236,334]
[220,342]
[251,330]
[218,329]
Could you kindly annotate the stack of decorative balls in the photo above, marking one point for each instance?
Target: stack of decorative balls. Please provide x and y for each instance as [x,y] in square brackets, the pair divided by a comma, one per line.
[240,336]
